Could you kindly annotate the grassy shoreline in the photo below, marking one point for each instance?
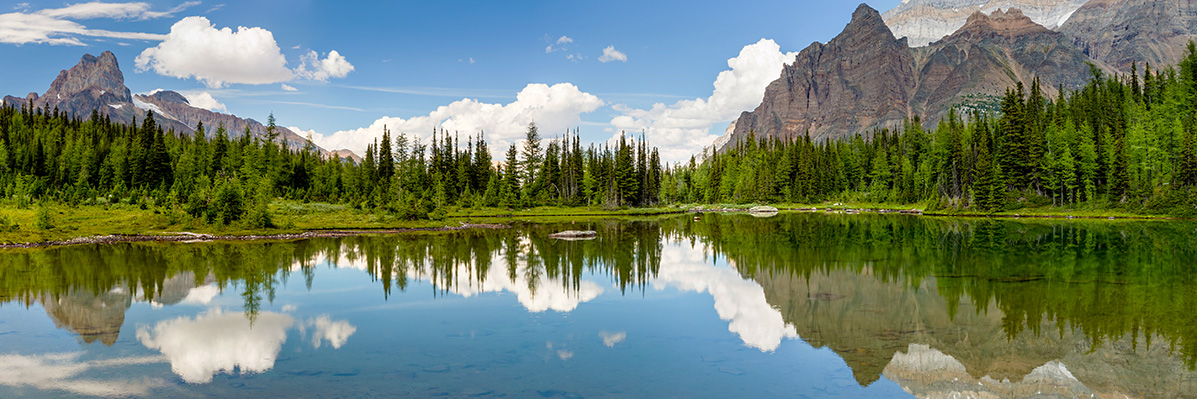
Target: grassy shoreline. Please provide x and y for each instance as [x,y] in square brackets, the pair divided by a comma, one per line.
[293,218]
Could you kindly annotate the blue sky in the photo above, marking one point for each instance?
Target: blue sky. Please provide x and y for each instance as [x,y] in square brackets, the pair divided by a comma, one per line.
[409,65]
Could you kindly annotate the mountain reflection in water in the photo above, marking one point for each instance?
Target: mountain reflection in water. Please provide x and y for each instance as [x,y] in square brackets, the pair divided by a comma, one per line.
[942,307]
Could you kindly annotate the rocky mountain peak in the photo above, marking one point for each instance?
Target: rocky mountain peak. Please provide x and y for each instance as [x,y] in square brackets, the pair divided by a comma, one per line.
[928,21]
[1123,32]
[95,76]
[864,78]
[1009,23]
[867,23]
[96,85]
[168,96]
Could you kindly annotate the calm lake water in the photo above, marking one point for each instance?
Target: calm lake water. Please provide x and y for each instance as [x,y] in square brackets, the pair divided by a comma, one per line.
[798,305]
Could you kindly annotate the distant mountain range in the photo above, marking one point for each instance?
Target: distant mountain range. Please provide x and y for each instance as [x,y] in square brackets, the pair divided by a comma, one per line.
[927,21]
[869,77]
[97,84]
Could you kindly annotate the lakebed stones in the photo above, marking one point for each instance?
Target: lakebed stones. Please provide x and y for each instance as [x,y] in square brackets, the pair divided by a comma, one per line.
[574,235]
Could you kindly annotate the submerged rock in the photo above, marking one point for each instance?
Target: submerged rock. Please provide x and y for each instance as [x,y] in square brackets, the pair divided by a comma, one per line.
[575,235]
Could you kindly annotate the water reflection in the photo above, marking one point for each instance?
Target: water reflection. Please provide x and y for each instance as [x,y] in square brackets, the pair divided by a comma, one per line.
[943,307]
[737,300]
[218,342]
[65,372]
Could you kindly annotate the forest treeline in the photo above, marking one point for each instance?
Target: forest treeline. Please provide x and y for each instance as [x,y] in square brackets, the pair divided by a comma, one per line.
[46,155]
[1119,142]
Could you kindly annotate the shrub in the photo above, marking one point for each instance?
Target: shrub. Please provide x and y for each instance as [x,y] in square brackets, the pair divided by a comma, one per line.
[42,219]
[228,206]
[7,225]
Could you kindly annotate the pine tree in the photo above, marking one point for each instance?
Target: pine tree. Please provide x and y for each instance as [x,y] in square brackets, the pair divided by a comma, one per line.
[386,160]
[510,188]
[625,180]
[533,157]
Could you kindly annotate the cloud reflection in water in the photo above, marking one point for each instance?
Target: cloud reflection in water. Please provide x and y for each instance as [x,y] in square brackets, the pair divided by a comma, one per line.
[220,342]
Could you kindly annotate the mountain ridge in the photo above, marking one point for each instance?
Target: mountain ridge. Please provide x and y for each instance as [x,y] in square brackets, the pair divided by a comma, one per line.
[97,84]
[866,78]
[927,21]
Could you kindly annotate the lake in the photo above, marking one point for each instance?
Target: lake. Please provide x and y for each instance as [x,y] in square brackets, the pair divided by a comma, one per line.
[725,305]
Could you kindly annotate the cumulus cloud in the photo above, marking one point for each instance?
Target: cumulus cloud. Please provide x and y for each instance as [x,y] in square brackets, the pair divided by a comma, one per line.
[195,48]
[218,342]
[554,109]
[611,54]
[737,300]
[333,65]
[56,26]
[684,128]
[61,371]
[204,100]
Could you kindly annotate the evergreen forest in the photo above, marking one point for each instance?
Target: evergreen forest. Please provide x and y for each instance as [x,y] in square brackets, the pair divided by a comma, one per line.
[1120,142]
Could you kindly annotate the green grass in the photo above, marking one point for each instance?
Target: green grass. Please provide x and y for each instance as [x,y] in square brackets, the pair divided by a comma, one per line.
[68,222]
[295,217]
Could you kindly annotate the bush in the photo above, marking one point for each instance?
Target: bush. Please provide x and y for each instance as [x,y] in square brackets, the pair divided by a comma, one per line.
[7,225]
[437,214]
[228,206]
[42,219]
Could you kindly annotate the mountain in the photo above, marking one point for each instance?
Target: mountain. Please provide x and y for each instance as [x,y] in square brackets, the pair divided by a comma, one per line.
[926,21]
[97,84]
[866,77]
[1119,32]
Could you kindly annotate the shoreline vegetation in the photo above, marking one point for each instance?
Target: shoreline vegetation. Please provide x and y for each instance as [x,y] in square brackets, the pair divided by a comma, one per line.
[118,224]
[1120,147]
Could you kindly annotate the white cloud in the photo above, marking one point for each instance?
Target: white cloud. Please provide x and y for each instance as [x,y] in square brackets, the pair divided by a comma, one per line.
[684,128]
[554,109]
[610,338]
[55,26]
[204,100]
[561,44]
[611,54]
[333,65]
[98,10]
[196,49]
[218,342]
[61,371]
[287,87]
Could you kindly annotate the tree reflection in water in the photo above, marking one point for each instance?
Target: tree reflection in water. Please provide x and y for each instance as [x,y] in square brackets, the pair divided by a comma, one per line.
[994,301]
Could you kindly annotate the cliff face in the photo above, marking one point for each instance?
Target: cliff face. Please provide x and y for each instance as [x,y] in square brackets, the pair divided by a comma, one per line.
[1120,32]
[926,21]
[865,78]
[860,78]
[96,84]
